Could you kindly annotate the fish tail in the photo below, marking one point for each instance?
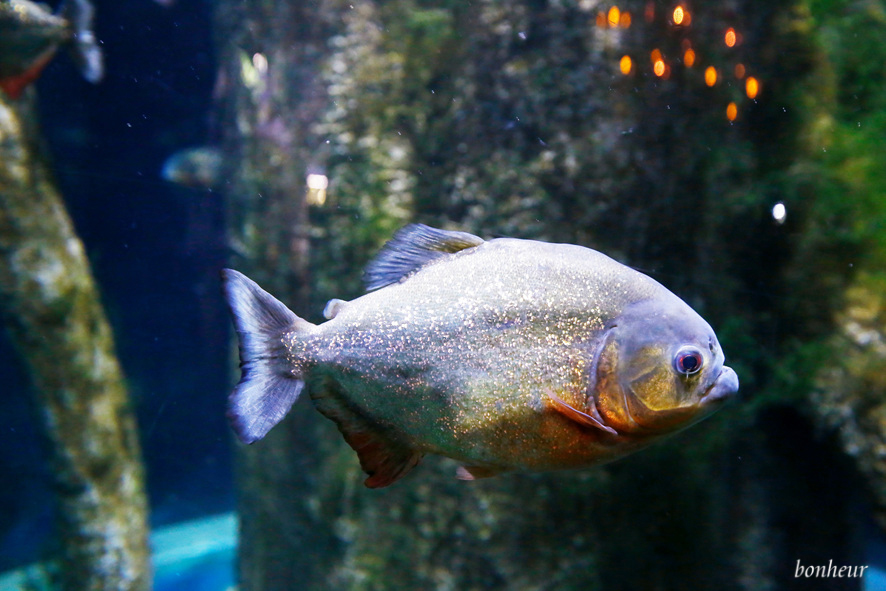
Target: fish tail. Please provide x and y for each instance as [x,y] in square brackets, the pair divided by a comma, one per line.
[84,46]
[270,383]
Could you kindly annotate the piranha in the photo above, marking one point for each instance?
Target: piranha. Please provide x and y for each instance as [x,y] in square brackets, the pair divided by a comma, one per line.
[506,355]
[30,35]
[195,168]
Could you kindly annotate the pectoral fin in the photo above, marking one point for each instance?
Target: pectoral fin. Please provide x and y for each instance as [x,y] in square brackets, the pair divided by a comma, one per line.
[578,416]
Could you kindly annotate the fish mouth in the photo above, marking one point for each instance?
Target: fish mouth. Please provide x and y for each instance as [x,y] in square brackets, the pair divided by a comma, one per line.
[648,420]
[723,387]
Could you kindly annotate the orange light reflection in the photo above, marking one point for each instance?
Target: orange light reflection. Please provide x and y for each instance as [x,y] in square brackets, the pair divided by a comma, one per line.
[752,87]
[678,15]
[730,37]
[625,21]
[731,111]
[625,65]
[614,15]
[710,76]
[689,58]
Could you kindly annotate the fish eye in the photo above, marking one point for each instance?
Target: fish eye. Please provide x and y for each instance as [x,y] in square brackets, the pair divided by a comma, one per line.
[688,361]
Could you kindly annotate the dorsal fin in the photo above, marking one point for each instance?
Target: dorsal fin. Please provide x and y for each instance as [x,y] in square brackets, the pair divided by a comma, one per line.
[411,248]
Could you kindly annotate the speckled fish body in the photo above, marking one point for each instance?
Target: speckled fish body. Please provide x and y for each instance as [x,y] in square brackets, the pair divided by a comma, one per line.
[475,343]
[503,354]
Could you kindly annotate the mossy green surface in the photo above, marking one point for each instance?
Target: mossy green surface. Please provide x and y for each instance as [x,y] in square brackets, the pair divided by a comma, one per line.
[52,309]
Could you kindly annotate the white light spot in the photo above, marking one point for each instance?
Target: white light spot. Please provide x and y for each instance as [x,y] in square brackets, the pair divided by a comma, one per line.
[260,62]
[779,212]
[318,182]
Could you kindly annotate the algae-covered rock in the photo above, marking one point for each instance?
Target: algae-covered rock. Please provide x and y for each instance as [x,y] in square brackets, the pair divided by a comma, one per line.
[52,310]
[850,391]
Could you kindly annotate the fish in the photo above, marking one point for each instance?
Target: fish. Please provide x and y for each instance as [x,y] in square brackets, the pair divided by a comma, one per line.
[195,168]
[506,355]
[30,35]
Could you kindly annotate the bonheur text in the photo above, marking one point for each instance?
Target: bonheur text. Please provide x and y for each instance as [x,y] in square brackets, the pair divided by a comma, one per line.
[831,570]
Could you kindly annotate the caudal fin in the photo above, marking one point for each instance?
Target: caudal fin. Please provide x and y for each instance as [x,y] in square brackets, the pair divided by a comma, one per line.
[269,384]
[84,46]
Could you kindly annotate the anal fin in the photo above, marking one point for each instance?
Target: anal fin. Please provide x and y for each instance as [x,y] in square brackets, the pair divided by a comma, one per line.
[14,86]
[383,458]
[385,462]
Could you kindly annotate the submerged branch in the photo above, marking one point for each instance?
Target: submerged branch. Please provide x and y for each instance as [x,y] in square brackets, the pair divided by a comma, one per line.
[54,315]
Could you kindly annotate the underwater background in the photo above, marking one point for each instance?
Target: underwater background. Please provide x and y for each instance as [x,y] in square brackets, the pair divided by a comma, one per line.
[322,128]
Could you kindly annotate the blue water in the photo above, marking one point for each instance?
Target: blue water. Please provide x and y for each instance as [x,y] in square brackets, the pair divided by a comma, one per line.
[195,555]
[875,550]
[875,580]
[214,573]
